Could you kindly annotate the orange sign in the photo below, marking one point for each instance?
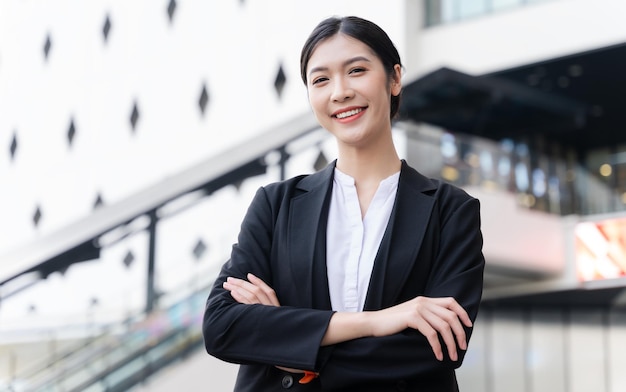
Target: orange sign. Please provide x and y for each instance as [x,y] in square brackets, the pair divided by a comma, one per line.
[601,249]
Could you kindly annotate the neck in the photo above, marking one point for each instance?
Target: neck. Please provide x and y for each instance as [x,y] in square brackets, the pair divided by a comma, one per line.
[366,165]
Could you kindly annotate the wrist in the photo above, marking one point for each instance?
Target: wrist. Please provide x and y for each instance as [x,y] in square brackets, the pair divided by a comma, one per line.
[366,323]
[346,326]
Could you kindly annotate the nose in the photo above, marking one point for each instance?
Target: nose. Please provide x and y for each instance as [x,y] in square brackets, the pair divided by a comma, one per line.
[341,90]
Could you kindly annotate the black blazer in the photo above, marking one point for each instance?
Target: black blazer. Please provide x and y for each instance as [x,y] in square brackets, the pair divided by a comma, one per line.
[432,247]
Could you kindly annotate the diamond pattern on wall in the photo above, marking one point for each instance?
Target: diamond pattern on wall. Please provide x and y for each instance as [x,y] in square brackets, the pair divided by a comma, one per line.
[171,9]
[280,81]
[71,132]
[134,116]
[13,146]
[128,259]
[320,162]
[204,99]
[199,249]
[106,28]
[37,216]
[98,202]
[47,46]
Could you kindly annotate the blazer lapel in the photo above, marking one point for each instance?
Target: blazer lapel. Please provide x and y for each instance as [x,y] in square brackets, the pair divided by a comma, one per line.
[402,239]
[307,238]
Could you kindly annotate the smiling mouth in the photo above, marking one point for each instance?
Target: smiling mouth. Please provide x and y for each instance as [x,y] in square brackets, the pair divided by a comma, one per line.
[349,113]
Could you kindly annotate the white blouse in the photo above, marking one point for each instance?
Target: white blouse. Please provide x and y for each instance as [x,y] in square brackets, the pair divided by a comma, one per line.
[351,242]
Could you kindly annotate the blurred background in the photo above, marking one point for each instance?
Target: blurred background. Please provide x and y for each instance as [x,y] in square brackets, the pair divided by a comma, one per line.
[133,135]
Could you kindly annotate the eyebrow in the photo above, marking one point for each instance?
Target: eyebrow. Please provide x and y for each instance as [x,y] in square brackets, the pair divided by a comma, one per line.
[345,63]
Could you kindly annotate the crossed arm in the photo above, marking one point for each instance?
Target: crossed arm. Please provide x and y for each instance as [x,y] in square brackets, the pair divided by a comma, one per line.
[432,317]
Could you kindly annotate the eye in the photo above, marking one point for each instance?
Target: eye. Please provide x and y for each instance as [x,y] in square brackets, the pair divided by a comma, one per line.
[319,80]
[357,70]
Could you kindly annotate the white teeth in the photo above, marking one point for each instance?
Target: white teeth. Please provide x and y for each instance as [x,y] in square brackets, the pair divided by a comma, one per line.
[349,113]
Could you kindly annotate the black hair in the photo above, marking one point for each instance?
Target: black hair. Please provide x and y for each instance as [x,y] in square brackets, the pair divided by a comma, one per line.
[363,30]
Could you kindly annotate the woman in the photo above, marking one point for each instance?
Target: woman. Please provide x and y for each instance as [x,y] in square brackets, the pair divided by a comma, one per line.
[365,276]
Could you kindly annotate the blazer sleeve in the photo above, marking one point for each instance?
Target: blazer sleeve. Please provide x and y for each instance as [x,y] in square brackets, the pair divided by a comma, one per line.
[457,271]
[261,334]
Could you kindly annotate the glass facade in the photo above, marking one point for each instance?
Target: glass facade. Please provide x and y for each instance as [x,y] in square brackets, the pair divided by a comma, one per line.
[545,176]
[448,11]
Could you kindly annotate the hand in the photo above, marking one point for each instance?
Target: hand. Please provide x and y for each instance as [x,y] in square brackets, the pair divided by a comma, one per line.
[433,317]
[251,291]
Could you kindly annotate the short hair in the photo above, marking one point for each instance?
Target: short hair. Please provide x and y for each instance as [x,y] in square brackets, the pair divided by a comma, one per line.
[363,30]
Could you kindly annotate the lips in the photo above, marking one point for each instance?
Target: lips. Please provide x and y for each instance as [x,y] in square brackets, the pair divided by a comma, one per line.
[345,113]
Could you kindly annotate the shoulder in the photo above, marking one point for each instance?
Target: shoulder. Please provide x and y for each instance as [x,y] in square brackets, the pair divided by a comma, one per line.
[448,191]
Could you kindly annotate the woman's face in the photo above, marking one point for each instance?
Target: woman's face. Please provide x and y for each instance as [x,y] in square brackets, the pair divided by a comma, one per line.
[350,92]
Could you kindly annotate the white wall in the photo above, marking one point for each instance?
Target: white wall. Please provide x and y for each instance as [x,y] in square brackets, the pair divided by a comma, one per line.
[233,48]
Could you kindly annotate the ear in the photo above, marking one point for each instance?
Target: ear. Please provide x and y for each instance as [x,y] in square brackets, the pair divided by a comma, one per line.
[396,80]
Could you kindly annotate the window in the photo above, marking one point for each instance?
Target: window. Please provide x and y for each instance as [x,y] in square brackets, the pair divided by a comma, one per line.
[446,11]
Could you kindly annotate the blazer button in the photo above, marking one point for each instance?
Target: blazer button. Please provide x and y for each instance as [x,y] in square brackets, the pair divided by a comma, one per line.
[287,382]
[402,386]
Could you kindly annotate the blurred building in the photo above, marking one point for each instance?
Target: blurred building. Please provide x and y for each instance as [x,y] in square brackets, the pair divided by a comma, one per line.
[133,135]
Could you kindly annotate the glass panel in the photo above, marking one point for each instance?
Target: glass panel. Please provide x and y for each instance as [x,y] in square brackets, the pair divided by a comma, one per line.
[449,11]
[445,11]
[432,12]
[470,8]
[497,5]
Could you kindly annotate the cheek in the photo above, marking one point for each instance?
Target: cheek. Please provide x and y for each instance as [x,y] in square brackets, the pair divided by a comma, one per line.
[316,101]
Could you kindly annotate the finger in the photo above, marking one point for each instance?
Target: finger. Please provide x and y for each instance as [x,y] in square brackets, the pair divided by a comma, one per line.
[269,292]
[440,313]
[461,313]
[239,297]
[455,323]
[452,325]
[239,291]
[261,291]
[432,336]
[236,293]
[249,293]
[444,329]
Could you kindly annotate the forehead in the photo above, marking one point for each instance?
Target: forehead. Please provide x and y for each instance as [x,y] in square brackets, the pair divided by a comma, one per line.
[337,49]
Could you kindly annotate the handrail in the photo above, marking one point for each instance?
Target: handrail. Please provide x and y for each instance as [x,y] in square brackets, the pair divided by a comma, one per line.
[139,343]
